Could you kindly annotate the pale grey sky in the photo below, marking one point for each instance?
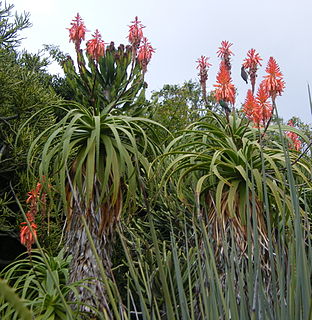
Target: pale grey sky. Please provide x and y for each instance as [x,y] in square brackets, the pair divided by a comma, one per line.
[183,30]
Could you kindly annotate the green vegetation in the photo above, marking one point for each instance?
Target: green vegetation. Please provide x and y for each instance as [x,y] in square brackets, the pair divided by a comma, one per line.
[180,207]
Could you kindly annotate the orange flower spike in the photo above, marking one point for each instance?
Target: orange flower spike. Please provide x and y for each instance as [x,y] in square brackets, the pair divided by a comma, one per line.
[294,137]
[250,105]
[274,80]
[253,59]
[145,54]
[135,33]
[96,46]
[265,107]
[225,53]
[27,237]
[225,89]
[77,32]
[251,64]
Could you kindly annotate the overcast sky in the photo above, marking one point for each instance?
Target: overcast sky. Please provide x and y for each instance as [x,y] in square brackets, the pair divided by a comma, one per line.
[183,30]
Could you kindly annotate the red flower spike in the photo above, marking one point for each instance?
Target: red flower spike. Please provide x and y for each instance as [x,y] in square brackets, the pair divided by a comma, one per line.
[225,53]
[96,46]
[203,67]
[273,82]
[296,143]
[225,89]
[135,33]
[250,105]
[258,109]
[253,59]
[145,54]
[265,107]
[77,31]
[27,237]
[251,64]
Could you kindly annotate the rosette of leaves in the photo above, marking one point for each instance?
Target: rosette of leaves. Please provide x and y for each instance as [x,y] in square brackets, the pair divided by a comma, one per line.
[43,289]
[227,172]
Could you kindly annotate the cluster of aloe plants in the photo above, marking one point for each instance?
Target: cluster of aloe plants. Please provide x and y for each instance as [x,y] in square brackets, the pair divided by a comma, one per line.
[213,225]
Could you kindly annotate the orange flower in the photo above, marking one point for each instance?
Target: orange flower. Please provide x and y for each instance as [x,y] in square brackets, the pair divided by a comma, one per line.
[250,105]
[273,82]
[203,67]
[27,237]
[225,89]
[77,31]
[135,33]
[34,194]
[258,109]
[296,143]
[251,63]
[225,53]
[265,107]
[253,59]
[145,54]
[96,46]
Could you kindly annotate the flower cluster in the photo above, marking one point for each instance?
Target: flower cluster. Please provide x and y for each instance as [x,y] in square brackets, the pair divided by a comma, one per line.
[77,31]
[251,65]
[273,82]
[145,54]
[135,33]
[225,89]
[141,48]
[96,46]
[28,235]
[203,66]
[258,109]
[225,53]
[296,143]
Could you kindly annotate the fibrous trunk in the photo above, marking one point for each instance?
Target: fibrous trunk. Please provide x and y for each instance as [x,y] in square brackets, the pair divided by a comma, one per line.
[83,264]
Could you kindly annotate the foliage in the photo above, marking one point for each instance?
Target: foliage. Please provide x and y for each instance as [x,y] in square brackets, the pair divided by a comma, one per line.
[215,162]
[304,128]
[97,152]
[221,221]
[185,279]
[33,282]
[9,295]
[176,106]
[24,89]
[9,30]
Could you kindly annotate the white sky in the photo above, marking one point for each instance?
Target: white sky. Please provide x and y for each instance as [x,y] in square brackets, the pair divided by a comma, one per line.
[183,30]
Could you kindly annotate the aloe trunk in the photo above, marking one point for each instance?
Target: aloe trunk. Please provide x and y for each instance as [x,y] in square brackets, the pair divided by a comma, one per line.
[83,264]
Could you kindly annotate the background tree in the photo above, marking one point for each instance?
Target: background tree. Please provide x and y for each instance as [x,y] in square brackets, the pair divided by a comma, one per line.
[176,106]
[24,89]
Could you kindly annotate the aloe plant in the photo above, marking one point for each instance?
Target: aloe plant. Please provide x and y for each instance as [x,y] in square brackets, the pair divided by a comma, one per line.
[41,290]
[97,154]
[222,165]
